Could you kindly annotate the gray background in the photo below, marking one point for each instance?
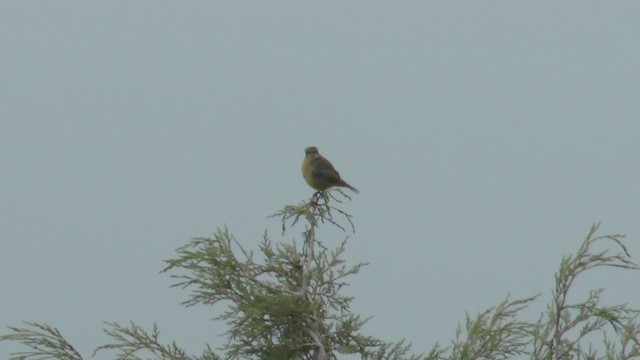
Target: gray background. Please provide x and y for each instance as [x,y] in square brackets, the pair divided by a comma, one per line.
[485,137]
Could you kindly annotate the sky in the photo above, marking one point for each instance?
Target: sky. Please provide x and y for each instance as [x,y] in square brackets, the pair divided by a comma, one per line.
[485,139]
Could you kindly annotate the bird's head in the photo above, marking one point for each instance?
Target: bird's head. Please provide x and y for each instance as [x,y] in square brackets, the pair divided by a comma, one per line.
[311,152]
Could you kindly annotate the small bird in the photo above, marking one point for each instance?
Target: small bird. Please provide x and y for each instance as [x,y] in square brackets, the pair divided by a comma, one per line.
[319,173]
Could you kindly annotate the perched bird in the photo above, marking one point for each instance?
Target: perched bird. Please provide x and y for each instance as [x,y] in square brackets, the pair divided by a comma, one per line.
[319,173]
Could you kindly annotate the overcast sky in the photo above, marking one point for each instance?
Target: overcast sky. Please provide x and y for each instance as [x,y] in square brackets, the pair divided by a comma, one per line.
[485,137]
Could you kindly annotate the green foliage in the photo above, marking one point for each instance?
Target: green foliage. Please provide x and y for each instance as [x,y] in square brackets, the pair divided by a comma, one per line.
[133,340]
[494,333]
[560,333]
[43,342]
[287,302]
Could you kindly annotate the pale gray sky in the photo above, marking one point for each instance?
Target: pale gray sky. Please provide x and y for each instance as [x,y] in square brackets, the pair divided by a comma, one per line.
[485,138]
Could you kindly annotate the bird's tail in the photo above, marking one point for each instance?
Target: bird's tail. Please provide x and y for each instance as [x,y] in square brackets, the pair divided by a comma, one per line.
[345,184]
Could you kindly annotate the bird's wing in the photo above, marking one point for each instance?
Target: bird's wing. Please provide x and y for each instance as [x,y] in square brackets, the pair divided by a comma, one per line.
[323,169]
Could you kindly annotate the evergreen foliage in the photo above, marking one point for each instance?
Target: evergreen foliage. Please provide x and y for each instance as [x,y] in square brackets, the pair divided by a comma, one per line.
[286,302]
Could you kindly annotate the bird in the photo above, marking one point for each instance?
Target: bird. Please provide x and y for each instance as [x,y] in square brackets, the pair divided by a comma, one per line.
[319,173]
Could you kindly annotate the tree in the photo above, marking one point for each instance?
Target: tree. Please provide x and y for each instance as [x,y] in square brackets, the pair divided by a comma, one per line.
[286,302]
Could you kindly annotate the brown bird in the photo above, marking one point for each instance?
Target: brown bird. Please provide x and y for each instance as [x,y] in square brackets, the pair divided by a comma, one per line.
[319,173]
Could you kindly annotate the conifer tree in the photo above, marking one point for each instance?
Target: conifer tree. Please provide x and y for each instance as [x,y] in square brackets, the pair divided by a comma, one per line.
[286,302]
